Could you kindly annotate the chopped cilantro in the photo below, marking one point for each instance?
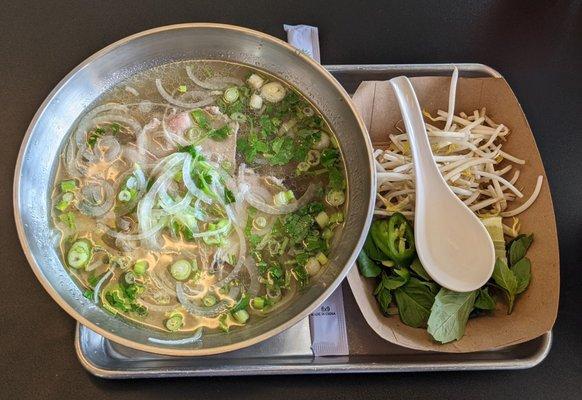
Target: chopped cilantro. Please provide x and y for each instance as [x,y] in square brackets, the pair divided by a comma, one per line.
[220,134]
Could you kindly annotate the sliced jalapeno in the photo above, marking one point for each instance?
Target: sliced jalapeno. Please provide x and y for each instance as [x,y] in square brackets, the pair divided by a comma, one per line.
[395,238]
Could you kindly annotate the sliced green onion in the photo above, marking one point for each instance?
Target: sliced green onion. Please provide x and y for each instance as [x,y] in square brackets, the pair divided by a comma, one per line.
[322,258]
[181,270]
[222,322]
[68,186]
[66,200]
[302,167]
[239,117]
[335,198]
[312,266]
[283,198]
[255,81]
[175,322]
[256,102]
[313,157]
[182,88]
[258,303]
[327,234]
[308,111]
[336,218]
[273,92]
[140,267]
[129,278]
[124,196]
[79,254]
[322,219]
[241,316]
[68,218]
[259,222]
[230,95]
[209,300]
[131,182]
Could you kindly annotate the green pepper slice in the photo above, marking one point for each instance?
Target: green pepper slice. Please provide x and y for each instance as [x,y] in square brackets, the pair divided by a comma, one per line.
[395,238]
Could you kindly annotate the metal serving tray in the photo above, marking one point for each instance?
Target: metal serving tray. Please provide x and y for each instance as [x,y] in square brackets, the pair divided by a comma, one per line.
[290,352]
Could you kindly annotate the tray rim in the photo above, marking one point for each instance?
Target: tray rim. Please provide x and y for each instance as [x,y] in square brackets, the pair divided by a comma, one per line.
[330,366]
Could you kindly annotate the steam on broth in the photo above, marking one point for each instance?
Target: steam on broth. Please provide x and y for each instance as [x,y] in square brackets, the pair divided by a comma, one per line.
[198,194]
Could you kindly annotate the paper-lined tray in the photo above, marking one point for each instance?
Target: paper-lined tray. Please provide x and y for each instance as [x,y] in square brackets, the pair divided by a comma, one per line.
[536,309]
[290,352]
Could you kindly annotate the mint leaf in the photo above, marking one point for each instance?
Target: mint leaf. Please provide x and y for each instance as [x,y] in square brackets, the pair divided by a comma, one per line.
[518,247]
[505,279]
[367,267]
[414,301]
[449,315]
[484,300]
[522,272]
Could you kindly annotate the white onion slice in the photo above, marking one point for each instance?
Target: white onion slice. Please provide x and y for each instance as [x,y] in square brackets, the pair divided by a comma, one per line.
[168,97]
[218,83]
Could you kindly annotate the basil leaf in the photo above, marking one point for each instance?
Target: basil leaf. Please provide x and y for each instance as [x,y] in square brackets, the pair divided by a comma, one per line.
[484,300]
[373,251]
[419,270]
[505,279]
[396,280]
[368,268]
[414,301]
[433,287]
[522,272]
[384,298]
[449,315]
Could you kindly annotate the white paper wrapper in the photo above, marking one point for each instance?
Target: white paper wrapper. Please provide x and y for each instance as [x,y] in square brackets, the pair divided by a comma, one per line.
[328,324]
[304,38]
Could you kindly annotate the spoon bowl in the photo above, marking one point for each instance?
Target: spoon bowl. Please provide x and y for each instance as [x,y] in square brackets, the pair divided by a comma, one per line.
[452,244]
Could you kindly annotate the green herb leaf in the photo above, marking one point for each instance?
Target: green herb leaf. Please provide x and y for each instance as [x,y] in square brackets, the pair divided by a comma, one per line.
[398,279]
[283,149]
[414,302]
[484,300]
[449,315]
[518,247]
[384,298]
[505,279]
[522,272]
[220,133]
[200,118]
[367,267]
[373,251]
[228,196]
[419,270]
[329,157]
[336,179]
[242,304]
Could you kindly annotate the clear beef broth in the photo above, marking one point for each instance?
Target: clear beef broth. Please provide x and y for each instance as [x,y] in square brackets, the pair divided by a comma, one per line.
[198,194]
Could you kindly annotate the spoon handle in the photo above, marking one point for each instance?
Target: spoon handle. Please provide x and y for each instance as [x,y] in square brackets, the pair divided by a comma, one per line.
[426,172]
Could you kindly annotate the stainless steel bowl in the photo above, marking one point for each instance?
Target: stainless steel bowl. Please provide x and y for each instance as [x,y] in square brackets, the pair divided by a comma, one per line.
[40,149]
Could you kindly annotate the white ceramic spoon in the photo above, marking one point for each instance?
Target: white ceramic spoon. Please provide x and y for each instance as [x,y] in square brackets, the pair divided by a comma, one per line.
[452,244]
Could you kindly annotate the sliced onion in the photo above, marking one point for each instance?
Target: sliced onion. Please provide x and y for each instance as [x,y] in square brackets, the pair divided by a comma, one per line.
[197,337]
[99,285]
[242,254]
[168,97]
[140,236]
[175,207]
[105,199]
[113,148]
[198,311]
[256,202]
[253,276]
[189,182]
[217,83]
